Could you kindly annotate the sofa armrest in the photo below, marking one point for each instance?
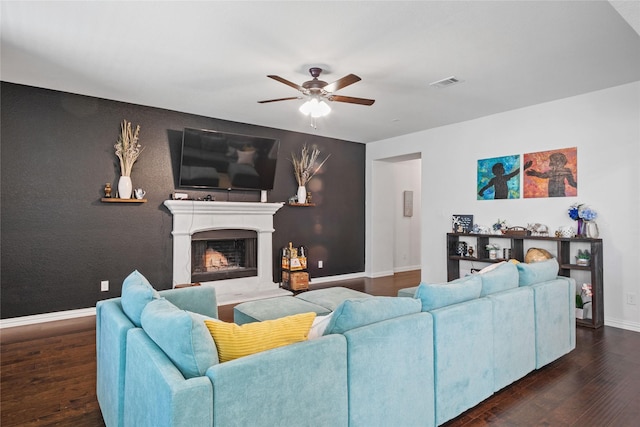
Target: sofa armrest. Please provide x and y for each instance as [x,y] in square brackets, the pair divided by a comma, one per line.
[198,299]
[297,385]
[156,393]
[112,326]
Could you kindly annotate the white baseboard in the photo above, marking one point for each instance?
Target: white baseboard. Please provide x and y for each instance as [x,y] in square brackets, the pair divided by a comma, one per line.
[337,278]
[381,274]
[622,324]
[406,268]
[46,317]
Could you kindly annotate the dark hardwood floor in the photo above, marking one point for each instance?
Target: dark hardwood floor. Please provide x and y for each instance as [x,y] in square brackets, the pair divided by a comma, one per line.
[48,376]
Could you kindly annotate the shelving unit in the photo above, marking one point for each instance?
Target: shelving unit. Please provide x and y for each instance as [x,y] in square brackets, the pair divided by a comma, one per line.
[294,273]
[301,204]
[563,255]
[115,200]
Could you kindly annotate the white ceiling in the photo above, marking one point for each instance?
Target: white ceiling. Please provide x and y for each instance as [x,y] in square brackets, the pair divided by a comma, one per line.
[211,58]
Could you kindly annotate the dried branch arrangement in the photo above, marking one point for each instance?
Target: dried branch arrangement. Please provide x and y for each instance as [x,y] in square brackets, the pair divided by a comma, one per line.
[303,166]
[127,147]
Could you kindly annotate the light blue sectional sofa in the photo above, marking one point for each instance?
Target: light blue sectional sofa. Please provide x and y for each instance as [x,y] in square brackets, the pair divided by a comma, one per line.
[419,359]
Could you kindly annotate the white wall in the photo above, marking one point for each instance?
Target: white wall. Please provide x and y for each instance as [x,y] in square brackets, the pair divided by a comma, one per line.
[407,229]
[605,128]
[397,240]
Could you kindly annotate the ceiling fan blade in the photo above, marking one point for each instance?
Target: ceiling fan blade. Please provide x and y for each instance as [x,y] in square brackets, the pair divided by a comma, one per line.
[351,100]
[288,83]
[279,99]
[343,82]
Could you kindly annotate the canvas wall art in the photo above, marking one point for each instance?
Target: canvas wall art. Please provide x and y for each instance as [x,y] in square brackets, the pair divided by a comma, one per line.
[551,173]
[498,178]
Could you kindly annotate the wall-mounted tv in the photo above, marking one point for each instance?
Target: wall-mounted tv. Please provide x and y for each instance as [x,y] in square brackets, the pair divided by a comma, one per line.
[212,159]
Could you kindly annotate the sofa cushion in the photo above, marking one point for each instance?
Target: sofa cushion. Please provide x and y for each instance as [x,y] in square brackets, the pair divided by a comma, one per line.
[408,292]
[137,292]
[354,313]
[330,298]
[439,295]
[182,335]
[537,272]
[234,341]
[499,277]
[274,308]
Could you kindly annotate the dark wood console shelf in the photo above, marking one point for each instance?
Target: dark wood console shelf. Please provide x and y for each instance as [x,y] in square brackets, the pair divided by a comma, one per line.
[115,200]
[563,255]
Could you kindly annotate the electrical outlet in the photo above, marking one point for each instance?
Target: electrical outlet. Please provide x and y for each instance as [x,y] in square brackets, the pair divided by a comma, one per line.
[104,286]
[320,265]
[631,298]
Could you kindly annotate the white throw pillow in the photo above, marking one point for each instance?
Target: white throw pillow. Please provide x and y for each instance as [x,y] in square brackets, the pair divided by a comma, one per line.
[318,326]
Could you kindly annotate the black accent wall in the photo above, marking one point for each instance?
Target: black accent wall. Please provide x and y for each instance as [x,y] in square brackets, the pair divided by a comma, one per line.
[59,241]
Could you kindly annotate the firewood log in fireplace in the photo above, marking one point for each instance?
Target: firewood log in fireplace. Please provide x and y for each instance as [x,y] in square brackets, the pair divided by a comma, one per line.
[214,260]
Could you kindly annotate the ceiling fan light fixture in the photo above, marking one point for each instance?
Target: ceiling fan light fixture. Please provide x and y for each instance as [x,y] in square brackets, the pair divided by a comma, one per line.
[315,108]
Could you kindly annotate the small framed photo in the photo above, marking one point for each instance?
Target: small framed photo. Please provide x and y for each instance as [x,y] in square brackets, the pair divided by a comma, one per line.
[462,223]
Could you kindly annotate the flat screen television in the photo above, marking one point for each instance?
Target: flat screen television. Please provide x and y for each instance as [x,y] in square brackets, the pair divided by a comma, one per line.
[212,159]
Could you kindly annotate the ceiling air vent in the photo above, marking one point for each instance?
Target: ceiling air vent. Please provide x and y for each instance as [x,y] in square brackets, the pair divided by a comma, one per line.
[449,81]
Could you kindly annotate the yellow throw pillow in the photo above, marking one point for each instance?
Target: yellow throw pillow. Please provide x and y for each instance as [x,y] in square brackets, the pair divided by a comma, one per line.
[234,341]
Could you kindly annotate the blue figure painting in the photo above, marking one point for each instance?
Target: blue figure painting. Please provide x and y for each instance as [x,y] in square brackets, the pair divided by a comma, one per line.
[499,178]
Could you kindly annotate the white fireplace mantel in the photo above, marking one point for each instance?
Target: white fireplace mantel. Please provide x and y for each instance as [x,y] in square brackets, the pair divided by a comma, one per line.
[190,216]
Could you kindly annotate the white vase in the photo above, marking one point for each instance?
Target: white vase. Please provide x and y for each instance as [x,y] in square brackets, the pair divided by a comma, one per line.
[591,228]
[493,254]
[125,187]
[302,194]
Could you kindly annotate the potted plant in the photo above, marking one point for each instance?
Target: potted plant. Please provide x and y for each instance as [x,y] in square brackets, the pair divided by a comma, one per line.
[304,168]
[582,299]
[493,249]
[583,258]
[127,150]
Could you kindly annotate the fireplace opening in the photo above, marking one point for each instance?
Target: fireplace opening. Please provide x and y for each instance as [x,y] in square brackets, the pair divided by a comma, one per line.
[223,254]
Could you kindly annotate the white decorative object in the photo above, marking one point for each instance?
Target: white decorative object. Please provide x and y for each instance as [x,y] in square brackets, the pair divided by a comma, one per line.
[567,232]
[538,229]
[263,196]
[125,187]
[139,192]
[493,254]
[302,194]
[190,216]
[592,229]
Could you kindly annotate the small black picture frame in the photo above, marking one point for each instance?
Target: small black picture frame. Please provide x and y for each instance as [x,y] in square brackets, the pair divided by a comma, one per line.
[461,223]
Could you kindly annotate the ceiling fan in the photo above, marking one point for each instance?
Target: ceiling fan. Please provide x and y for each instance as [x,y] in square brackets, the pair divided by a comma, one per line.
[317,91]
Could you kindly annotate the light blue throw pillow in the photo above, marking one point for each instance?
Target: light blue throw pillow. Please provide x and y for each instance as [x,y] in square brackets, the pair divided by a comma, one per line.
[501,278]
[537,272]
[137,292]
[182,335]
[439,295]
[357,312]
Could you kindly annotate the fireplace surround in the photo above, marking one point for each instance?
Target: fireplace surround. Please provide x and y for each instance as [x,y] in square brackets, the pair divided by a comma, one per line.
[198,218]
